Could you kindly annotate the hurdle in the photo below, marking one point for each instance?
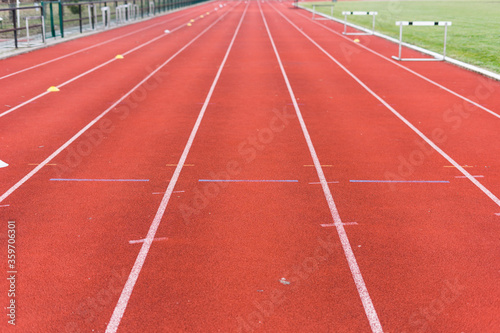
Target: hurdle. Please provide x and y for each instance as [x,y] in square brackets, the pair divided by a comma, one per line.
[151,8]
[321,17]
[421,23]
[374,14]
[121,13]
[92,9]
[134,10]
[106,17]
[28,18]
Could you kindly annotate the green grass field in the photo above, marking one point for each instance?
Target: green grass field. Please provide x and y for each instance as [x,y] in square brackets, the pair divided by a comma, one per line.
[474,36]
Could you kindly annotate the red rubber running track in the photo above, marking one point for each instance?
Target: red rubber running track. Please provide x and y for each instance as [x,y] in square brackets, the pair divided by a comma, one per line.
[252,171]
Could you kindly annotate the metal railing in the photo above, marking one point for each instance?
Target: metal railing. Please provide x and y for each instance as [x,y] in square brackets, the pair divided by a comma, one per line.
[58,18]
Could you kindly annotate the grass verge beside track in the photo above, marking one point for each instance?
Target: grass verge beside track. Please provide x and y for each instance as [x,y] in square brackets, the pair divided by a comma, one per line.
[473,37]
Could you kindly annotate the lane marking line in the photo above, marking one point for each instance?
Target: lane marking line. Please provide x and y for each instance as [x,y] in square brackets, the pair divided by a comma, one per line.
[93,46]
[318,183]
[174,165]
[249,180]
[4,206]
[323,165]
[90,71]
[335,224]
[452,166]
[39,164]
[488,193]
[172,192]
[410,71]
[138,241]
[475,176]
[497,214]
[99,117]
[3,164]
[351,259]
[399,181]
[119,310]
[96,180]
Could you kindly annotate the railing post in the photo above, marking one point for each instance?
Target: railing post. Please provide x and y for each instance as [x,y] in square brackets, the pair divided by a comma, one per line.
[14,19]
[61,19]
[80,17]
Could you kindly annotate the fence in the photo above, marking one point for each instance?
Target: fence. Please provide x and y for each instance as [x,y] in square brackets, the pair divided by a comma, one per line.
[53,19]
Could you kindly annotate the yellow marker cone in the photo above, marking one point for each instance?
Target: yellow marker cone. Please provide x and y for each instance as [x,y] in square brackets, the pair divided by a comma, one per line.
[202,16]
[119,56]
[356,40]
[192,20]
[189,24]
[208,13]
[53,89]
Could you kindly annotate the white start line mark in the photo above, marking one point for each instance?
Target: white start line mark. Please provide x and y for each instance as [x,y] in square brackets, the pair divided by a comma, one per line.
[3,164]
[1,206]
[142,240]
[477,176]
[334,224]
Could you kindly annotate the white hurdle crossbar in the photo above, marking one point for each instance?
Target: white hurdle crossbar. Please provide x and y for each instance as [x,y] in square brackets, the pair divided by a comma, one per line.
[359,13]
[321,17]
[28,18]
[446,24]
[106,17]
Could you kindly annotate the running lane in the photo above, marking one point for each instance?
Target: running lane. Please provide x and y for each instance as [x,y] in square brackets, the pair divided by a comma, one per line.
[75,236]
[241,246]
[428,251]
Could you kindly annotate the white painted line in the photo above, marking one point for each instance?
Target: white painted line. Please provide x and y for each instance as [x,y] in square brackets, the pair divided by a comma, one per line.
[4,206]
[334,224]
[494,198]
[318,183]
[476,176]
[89,125]
[497,214]
[3,164]
[456,62]
[142,240]
[351,259]
[116,318]
[91,47]
[90,71]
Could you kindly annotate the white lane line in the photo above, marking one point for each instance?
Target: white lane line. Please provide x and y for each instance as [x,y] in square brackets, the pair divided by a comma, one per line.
[89,71]
[138,241]
[335,224]
[349,254]
[494,198]
[317,183]
[408,69]
[93,46]
[89,125]
[476,176]
[3,164]
[116,318]
[497,214]
[1,206]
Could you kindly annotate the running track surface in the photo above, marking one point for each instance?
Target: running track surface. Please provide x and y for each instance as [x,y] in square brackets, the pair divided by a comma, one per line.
[254,171]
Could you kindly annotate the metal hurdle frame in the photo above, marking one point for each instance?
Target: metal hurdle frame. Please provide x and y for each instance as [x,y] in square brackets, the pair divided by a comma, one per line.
[151,8]
[321,17]
[28,28]
[92,9]
[421,23]
[374,14]
[106,17]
